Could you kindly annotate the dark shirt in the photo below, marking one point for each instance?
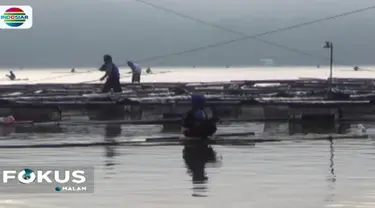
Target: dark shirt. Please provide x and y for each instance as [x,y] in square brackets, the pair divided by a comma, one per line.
[198,125]
[111,69]
[135,68]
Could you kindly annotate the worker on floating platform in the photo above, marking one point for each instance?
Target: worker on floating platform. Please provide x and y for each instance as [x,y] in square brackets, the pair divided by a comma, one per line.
[196,123]
[11,75]
[112,73]
[136,71]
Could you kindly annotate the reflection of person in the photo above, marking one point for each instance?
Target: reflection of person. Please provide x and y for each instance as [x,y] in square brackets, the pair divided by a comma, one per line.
[111,132]
[196,157]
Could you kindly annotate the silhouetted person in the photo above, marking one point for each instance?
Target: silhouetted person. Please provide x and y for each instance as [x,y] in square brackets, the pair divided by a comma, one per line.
[112,73]
[197,128]
[136,71]
[73,70]
[11,75]
[112,131]
[356,68]
[196,123]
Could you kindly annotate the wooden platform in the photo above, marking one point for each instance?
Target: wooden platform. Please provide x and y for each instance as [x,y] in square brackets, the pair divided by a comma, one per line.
[217,141]
[286,98]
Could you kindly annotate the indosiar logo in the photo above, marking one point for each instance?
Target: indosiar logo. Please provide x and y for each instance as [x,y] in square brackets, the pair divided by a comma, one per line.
[16,17]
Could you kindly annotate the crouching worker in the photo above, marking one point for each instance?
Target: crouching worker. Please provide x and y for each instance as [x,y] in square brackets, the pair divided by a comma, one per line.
[196,123]
[11,75]
[136,71]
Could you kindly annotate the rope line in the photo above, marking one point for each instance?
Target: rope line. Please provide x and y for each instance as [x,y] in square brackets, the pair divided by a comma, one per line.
[241,34]
[304,24]
[242,38]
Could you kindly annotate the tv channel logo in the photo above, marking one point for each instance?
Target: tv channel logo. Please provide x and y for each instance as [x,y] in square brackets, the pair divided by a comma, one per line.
[16,17]
[47,179]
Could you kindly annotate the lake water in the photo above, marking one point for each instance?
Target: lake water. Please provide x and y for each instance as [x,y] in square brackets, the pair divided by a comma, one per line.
[285,174]
[308,174]
[290,174]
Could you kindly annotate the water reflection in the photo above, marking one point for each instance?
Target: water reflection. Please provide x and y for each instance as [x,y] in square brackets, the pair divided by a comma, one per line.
[136,113]
[111,132]
[318,128]
[196,156]
[38,129]
[273,128]
[291,128]
[331,159]
[332,175]
[6,130]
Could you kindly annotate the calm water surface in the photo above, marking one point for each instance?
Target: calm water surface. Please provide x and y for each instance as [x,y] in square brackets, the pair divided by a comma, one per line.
[269,175]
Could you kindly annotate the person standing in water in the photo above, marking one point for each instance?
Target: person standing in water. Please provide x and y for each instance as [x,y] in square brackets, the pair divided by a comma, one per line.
[11,75]
[136,72]
[196,123]
[112,73]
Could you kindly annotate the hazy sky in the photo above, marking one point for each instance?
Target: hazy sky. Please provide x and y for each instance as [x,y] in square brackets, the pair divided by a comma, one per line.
[77,33]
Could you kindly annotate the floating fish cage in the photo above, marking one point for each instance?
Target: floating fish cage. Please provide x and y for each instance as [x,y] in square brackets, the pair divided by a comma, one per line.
[175,141]
[298,99]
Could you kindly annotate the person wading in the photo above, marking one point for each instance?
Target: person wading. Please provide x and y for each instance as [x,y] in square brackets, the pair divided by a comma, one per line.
[112,73]
[198,128]
[196,123]
[136,71]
